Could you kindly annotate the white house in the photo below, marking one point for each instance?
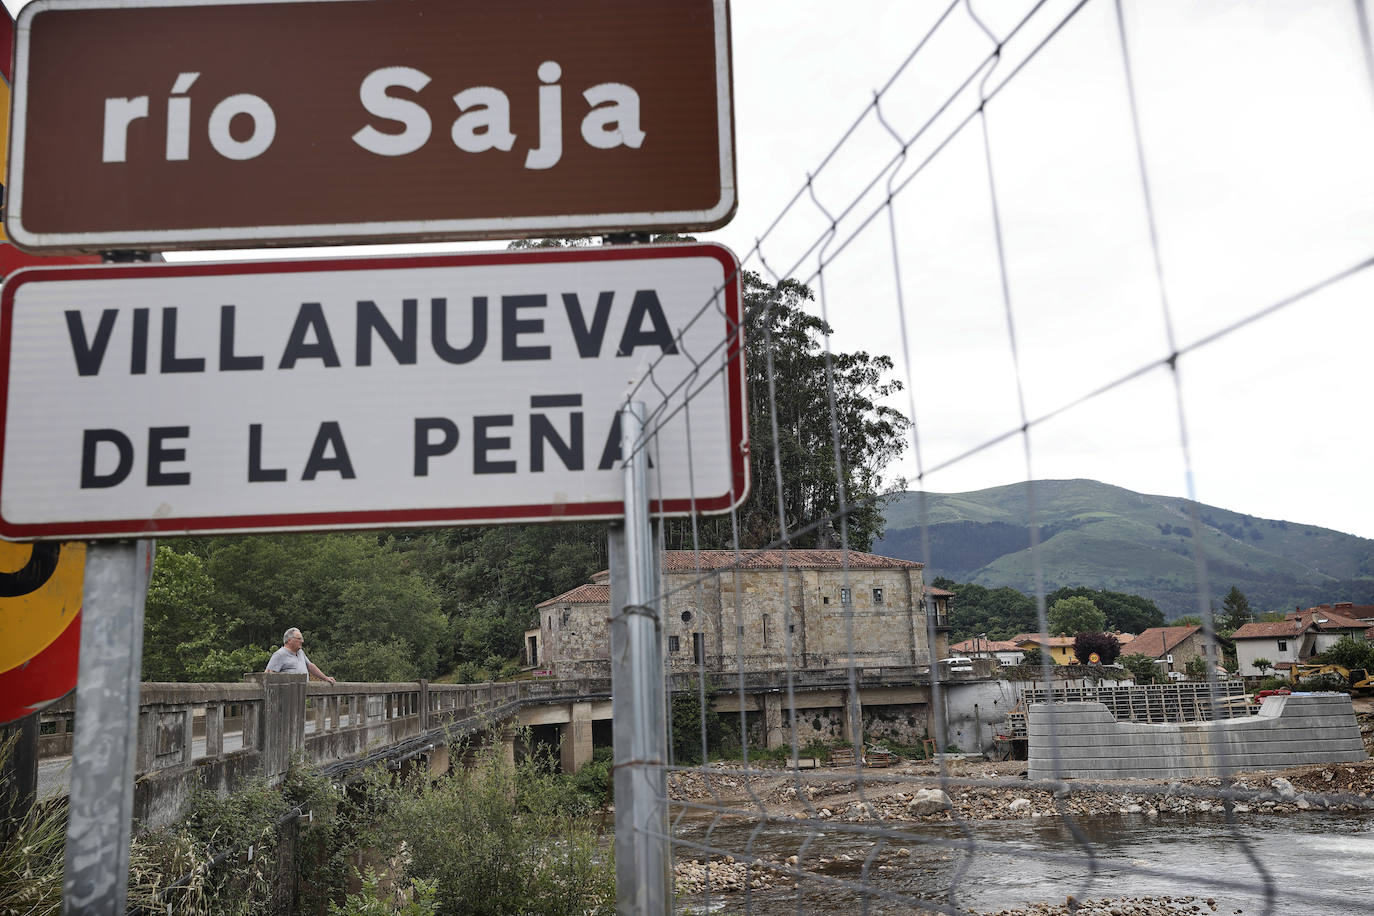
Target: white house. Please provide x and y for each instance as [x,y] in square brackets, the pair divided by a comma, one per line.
[1293,640]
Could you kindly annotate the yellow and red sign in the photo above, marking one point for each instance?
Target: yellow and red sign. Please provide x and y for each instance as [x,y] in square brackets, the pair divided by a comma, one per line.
[40,584]
[40,624]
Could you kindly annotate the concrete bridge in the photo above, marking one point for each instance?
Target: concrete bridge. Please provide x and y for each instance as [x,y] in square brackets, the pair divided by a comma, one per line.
[218,735]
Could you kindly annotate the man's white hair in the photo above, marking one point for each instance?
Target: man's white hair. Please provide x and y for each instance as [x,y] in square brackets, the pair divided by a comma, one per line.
[286,637]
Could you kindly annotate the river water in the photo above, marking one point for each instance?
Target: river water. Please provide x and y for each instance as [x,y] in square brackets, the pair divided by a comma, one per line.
[1318,864]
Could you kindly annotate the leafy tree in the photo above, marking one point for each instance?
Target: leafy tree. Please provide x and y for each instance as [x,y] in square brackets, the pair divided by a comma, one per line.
[1142,668]
[1105,645]
[342,590]
[1349,653]
[1235,611]
[998,612]
[1076,615]
[1196,668]
[1034,656]
[791,383]
[1187,620]
[183,635]
[1125,612]
[1263,664]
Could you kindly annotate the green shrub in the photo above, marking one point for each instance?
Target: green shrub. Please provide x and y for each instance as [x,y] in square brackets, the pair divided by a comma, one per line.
[495,840]
[418,900]
[1323,682]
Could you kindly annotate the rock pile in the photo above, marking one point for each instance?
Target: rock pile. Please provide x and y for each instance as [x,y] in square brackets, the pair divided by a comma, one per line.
[1122,906]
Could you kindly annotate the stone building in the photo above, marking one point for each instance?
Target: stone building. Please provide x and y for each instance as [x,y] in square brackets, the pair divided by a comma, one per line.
[802,603]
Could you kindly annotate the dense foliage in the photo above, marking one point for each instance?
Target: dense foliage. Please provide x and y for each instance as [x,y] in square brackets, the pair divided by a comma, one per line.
[1076,615]
[1142,668]
[373,607]
[1105,645]
[797,386]
[1348,653]
[1003,612]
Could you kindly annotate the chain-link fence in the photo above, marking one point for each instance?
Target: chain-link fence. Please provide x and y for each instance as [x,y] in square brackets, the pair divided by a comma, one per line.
[1085,232]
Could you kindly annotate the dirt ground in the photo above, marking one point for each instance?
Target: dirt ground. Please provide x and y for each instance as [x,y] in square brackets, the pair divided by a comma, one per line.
[974,790]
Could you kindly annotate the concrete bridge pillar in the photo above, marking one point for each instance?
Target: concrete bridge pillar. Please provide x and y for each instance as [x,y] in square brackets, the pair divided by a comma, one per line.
[575,738]
[774,720]
[283,722]
[852,717]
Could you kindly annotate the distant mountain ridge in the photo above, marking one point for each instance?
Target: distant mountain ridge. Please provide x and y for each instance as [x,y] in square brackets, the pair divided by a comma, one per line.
[1101,536]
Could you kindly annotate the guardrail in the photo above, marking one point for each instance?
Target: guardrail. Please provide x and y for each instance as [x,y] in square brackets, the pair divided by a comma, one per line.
[217,735]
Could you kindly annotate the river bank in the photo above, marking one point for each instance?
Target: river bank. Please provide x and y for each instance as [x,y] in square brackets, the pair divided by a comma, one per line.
[989,805]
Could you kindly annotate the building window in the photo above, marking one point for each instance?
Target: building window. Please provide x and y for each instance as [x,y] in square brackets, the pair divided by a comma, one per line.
[673,644]
[845,598]
[1283,645]
[698,648]
[567,613]
[825,599]
[766,628]
[686,616]
[791,628]
[739,631]
[877,596]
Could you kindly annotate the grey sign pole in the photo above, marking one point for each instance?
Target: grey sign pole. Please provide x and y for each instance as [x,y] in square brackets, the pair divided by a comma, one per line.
[642,859]
[101,796]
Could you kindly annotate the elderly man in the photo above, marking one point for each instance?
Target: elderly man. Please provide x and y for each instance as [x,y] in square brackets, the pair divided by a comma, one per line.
[290,658]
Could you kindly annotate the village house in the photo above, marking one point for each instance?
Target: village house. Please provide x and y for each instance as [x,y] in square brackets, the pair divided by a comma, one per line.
[1059,648]
[1005,651]
[1296,638]
[764,610]
[1171,648]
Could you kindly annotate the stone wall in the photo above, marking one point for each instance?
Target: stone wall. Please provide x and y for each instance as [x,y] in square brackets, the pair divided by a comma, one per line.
[1288,731]
[762,617]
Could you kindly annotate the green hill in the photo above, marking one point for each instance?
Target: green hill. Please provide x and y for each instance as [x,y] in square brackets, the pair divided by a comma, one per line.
[1096,535]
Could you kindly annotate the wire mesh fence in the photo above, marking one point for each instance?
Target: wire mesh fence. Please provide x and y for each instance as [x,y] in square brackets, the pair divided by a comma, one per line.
[1052,214]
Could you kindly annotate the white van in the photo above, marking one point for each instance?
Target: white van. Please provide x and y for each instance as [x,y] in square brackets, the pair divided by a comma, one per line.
[957,663]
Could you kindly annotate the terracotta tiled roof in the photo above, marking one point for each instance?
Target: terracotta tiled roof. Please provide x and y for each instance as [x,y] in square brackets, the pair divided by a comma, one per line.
[1320,618]
[1330,620]
[689,560]
[1271,629]
[712,560]
[1157,642]
[939,592]
[1053,642]
[583,594]
[985,645]
[1349,609]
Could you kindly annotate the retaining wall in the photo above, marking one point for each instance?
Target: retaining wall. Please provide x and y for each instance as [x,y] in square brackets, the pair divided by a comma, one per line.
[1288,731]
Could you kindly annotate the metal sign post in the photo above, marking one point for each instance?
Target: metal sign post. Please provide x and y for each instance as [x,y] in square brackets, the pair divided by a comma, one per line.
[95,880]
[642,859]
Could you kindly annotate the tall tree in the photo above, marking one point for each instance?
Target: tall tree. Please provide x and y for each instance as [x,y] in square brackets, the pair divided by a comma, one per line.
[1125,612]
[818,401]
[1076,615]
[1235,611]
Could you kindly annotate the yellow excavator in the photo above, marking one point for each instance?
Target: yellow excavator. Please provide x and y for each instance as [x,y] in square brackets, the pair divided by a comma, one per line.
[1359,679]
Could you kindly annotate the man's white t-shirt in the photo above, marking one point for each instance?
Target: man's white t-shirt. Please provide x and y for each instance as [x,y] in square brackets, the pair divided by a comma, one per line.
[288,662]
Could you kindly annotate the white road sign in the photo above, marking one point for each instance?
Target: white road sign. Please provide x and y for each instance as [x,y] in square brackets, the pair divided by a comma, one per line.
[190,398]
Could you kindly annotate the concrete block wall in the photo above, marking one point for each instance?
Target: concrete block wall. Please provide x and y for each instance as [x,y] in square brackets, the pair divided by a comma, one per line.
[1288,731]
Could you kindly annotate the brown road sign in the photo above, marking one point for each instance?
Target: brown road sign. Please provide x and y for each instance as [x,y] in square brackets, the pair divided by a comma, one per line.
[186,124]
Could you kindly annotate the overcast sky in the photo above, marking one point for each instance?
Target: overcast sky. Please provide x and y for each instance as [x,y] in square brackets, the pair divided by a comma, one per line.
[1258,125]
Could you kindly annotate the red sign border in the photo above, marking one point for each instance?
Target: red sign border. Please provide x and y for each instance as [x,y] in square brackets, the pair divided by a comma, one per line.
[398,518]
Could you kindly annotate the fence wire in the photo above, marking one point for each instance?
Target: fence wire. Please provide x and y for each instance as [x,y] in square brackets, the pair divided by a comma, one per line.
[765,832]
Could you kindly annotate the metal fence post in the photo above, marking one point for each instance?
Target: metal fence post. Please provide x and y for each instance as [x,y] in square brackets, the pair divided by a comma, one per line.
[639,716]
[101,796]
